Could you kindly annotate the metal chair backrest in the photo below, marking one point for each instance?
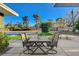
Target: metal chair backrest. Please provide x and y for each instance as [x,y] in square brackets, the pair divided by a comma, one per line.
[56,38]
[23,37]
[33,35]
[26,36]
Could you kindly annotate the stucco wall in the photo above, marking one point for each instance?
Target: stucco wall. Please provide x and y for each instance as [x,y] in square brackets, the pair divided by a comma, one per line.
[1,23]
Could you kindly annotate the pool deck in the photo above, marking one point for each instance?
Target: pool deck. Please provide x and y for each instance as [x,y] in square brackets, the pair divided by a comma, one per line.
[65,48]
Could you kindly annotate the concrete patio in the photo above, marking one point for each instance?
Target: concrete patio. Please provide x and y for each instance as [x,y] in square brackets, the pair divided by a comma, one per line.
[65,48]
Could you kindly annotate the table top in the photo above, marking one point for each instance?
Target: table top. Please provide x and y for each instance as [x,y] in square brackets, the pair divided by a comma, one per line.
[40,40]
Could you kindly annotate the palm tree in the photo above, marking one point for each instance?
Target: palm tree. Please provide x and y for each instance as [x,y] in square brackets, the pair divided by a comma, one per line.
[25,22]
[37,19]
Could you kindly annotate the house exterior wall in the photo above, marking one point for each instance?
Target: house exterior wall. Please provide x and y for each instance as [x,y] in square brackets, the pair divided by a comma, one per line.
[1,23]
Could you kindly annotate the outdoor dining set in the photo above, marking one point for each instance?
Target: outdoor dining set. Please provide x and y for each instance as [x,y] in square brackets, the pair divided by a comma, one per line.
[35,42]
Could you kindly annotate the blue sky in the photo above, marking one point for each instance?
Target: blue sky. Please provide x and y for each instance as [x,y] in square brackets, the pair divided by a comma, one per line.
[45,10]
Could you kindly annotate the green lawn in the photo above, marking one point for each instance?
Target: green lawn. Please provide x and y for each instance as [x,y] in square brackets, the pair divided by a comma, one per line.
[14,37]
[45,34]
[19,37]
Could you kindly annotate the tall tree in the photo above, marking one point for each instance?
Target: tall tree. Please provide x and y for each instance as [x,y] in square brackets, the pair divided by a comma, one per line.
[16,27]
[19,24]
[72,17]
[9,26]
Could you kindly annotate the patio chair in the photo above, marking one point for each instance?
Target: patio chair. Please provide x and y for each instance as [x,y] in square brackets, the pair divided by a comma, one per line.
[26,43]
[31,36]
[53,43]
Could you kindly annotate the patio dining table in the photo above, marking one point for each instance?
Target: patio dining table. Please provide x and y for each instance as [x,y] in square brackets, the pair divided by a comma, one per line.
[39,43]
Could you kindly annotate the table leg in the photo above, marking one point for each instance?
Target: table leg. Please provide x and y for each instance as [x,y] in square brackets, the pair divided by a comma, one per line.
[42,50]
[34,51]
[42,44]
[38,45]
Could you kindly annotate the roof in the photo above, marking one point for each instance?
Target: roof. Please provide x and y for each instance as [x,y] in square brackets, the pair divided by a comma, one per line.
[66,5]
[7,11]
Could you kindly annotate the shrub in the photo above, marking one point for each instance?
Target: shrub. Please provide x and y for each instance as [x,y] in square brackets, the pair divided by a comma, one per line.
[44,27]
[77,25]
[3,42]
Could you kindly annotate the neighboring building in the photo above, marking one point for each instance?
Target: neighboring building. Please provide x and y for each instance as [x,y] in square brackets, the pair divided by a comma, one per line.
[5,11]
